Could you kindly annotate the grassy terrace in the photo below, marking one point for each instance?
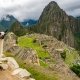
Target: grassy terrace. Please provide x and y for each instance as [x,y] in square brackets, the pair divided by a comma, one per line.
[28,42]
[38,72]
[71,57]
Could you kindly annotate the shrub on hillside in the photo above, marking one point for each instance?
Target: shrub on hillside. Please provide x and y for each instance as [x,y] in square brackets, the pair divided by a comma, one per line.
[76,69]
[63,55]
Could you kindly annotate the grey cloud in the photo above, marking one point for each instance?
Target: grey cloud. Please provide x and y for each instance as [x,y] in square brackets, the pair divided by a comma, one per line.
[71,7]
[26,9]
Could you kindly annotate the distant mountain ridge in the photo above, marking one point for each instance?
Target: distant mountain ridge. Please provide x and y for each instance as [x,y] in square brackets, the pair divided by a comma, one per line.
[78,17]
[29,22]
[7,21]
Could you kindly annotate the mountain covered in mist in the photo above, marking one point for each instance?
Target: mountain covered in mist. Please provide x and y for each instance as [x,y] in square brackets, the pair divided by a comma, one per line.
[7,21]
[29,22]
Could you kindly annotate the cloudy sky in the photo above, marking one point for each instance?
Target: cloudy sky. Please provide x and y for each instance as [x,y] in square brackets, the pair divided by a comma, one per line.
[32,9]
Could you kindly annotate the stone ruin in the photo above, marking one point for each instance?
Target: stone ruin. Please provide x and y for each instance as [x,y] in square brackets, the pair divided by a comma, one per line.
[9,63]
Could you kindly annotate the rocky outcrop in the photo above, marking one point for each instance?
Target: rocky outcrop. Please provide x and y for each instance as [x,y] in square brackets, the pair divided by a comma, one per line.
[9,63]
[55,22]
[27,54]
[9,41]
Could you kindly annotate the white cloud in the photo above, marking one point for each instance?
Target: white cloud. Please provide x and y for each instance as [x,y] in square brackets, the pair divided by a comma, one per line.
[25,9]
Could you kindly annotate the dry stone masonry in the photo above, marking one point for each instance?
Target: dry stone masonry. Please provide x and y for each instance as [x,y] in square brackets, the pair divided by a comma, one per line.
[9,63]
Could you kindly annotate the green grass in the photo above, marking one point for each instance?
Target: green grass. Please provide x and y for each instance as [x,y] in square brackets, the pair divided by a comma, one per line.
[28,42]
[71,57]
[77,39]
[38,72]
[42,63]
[8,54]
[76,69]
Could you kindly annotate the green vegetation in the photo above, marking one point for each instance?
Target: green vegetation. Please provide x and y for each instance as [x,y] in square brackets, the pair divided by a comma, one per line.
[18,29]
[71,56]
[42,63]
[76,69]
[29,42]
[38,72]
[77,38]
[8,54]
[63,55]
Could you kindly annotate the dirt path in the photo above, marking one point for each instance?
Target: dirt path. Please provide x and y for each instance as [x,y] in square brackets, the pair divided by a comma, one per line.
[6,75]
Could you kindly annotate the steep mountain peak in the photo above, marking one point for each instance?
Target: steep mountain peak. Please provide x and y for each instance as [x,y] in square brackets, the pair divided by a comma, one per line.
[53,3]
[52,12]
[55,22]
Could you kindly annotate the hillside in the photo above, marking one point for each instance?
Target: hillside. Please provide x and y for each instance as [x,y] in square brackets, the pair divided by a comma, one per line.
[55,22]
[7,22]
[41,54]
[18,29]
